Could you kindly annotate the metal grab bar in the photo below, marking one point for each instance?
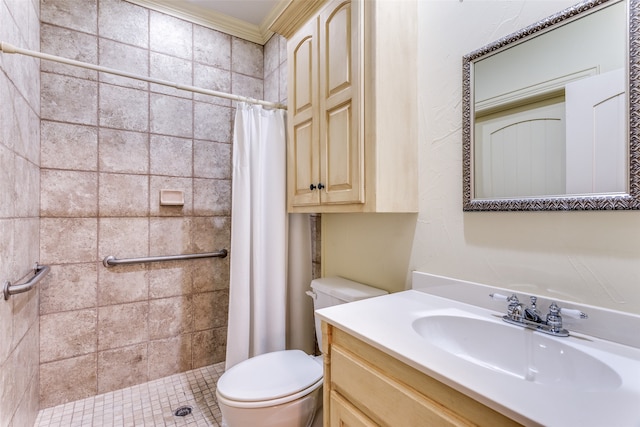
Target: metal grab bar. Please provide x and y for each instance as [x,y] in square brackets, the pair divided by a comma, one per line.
[110,261]
[39,272]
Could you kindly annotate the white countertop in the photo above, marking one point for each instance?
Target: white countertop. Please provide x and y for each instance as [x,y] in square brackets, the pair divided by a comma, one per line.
[386,323]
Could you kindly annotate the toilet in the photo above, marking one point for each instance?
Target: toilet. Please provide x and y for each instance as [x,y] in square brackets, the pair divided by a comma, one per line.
[284,388]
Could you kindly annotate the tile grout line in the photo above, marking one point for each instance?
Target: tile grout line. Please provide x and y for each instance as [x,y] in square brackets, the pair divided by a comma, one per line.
[149,404]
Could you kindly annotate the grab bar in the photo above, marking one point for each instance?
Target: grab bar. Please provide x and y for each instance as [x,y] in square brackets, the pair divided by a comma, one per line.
[39,272]
[111,260]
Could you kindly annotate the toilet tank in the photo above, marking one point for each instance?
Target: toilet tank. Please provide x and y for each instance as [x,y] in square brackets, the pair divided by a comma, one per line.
[329,291]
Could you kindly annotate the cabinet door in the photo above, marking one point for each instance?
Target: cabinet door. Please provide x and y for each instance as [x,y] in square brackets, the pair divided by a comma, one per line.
[344,414]
[302,154]
[341,137]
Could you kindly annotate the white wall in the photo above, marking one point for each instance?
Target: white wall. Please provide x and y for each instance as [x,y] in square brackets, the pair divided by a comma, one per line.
[368,248]
[589,257]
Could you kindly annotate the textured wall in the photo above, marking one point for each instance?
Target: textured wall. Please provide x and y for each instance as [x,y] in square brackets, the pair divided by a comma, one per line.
[19,223]
[589,257]
[109,145]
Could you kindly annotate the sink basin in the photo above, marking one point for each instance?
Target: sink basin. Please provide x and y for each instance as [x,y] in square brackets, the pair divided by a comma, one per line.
[519,352]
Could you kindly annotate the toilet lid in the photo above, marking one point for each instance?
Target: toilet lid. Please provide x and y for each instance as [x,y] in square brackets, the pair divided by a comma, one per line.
[270,376]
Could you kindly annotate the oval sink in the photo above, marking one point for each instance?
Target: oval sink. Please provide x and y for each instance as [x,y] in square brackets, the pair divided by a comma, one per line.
[516,351]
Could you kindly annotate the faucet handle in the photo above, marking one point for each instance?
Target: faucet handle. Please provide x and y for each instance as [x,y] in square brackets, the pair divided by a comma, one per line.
[555,310]
[554,318]
[499,297]
[571,312]
[512,300]
[514,309]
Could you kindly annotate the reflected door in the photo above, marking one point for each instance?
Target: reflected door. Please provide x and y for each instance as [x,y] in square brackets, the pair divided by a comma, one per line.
[596,134]
[521,152]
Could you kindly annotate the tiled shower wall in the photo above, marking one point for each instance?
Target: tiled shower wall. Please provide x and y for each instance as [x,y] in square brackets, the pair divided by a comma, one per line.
[19,223]
[109,144]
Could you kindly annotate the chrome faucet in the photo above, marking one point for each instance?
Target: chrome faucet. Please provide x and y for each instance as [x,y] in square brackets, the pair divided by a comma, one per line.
[530,317]
[532,313]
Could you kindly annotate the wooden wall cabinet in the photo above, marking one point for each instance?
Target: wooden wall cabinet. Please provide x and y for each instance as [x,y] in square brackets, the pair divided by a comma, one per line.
[352,117]
[364,386]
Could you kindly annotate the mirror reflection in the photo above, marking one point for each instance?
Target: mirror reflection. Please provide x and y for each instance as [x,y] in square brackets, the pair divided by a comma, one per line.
[548,110]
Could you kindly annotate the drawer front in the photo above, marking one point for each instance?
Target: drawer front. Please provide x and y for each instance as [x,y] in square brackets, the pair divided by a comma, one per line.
[383,399]
[344,414]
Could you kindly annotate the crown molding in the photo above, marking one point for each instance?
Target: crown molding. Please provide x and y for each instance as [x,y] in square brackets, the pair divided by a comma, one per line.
[216,21]
[293,14]
[274,15]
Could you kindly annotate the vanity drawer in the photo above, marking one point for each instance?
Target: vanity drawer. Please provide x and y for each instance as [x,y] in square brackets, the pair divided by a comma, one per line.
[343,413]
[375,383]
[383,399]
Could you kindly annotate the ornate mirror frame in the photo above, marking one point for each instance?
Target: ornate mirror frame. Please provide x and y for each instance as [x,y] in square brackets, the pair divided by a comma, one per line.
[626,201]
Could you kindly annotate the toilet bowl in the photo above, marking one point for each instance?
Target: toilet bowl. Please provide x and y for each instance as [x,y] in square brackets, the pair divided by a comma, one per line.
[284,388]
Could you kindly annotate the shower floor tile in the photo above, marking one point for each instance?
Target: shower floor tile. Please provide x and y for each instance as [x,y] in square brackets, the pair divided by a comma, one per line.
[148,404]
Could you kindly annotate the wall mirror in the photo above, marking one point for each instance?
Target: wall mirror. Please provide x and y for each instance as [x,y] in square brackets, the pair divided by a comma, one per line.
[551,114]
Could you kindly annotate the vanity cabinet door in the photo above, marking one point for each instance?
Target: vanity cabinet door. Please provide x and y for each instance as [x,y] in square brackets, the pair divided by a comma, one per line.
[344,414]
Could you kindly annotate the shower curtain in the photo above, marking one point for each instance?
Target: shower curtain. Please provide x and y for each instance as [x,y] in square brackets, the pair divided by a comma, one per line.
[258,277]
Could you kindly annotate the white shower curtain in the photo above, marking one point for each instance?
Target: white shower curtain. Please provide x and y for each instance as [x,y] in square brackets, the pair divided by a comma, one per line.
[257,294]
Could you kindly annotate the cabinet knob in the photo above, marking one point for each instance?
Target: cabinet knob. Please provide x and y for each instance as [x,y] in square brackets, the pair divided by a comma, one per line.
[312,187]
[320,186]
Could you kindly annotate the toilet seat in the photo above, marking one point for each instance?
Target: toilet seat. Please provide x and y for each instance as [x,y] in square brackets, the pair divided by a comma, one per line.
[270,379]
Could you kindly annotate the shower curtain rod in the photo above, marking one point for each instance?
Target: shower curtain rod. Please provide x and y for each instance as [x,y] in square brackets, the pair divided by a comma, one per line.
[9,48]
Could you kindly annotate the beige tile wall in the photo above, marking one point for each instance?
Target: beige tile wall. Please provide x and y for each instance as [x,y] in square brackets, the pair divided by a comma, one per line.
[19,223]
[109,144]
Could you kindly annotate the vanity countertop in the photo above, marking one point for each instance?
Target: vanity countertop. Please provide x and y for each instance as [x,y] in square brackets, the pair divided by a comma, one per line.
[386,323]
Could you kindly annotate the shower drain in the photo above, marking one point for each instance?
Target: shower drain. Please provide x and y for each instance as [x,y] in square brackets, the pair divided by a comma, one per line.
[183,411]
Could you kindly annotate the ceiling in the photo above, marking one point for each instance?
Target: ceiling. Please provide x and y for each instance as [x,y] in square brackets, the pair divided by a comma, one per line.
[247,19]
[251,11]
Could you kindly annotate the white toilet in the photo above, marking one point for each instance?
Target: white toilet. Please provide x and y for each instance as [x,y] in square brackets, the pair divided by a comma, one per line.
[284,388]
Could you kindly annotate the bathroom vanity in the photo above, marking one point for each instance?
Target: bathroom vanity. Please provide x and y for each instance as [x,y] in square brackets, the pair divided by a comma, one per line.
[367,387]
[417,358]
